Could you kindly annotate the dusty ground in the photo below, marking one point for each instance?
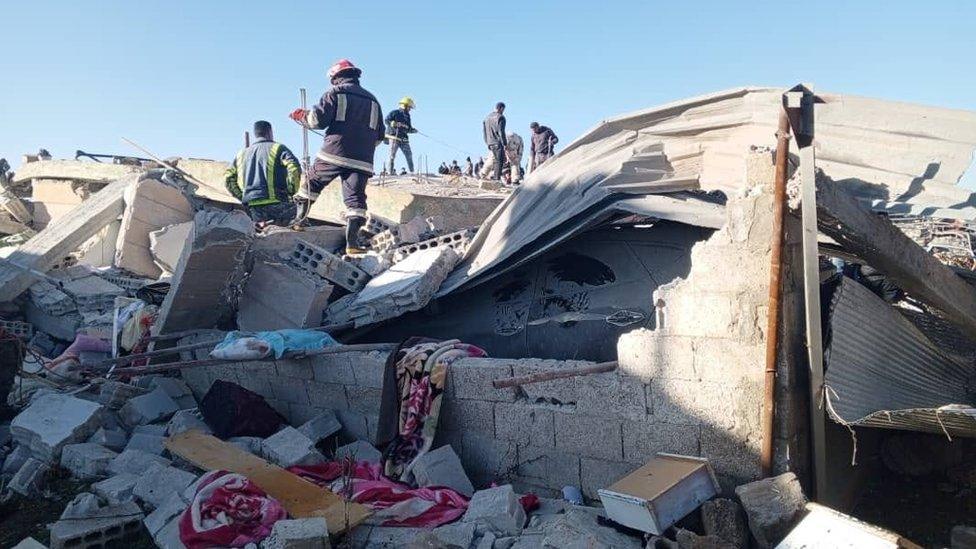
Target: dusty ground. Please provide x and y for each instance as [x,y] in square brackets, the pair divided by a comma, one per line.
[21,517]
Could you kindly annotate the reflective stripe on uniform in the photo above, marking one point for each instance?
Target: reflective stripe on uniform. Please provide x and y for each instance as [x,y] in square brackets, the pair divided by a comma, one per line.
[374,114]
[240,171]
[345,162]
[271,169]
[263,202]
[340,107]
[312,119]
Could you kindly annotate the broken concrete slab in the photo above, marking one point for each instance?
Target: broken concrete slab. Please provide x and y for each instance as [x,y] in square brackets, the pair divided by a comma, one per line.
[691,540]
[156,484]
[359,450]
[63,327]
[30,477]
[146,442]
[407,286]
[305,533]
[460,534]
[290,447]
[184,420]
[53,421]
[135,462]
[773,505]
[251,445]
[150,206]
[92,293]
[725,519]
[383,537]
[160,517]
[116,489]
[211,267]
[29,543]
[86,460]
[321,426]
[151,407]
[169,536]
[114,440]
[52,244]
[280,295]
[496,510]
[74,170]
[113,394]
[166,245]
[578,528]
[50,299]
[442,467]
[177,390]
[112,523]
[15,460]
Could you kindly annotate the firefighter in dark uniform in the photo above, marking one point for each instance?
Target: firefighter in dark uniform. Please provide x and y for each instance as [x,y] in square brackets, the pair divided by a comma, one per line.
[399,128]
[264,177]
[353,124]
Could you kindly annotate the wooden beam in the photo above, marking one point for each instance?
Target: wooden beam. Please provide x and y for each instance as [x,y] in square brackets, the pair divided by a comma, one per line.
[883,246]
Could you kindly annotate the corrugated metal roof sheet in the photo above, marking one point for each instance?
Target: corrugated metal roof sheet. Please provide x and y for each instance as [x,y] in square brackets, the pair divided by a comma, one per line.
[883,372]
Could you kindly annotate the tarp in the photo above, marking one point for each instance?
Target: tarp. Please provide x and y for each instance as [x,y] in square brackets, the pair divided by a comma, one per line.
[893,155]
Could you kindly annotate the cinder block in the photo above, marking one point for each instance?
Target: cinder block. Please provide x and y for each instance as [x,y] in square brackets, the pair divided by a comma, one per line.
[647,355]
[135,462]
[370,369]
[525,424]
[107,525]
[442,467]
[327,396]
[116,489]
[734,455]
[291,390]
[30,477]
[469,416]
[146,442]
[472,379]
[458,534]
[86,460]
[643,439]
[289,447]
[280,295]
[301,413]
[598,473]
[160,517]
[702,402]
[248,444]
[611,394]
[730,361]
[496,510]
[458,241]
[157,483]
[149,408]
[559,391]
[591,436]
[113,394]
[548,466]
[305,533]
[334,369]
[354,424]
[185,420]
[177,390]
[487,459]
[773,505]
[321,426]
[320,262]
[295,368]
[365,400]
[359,450]
[54,420]
[15,460]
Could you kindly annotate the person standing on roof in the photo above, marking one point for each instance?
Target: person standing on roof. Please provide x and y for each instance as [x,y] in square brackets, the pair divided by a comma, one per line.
[493,129]
[468,167]
[513,153]
[264,177]
[543,144]
[398,131]
[353,124]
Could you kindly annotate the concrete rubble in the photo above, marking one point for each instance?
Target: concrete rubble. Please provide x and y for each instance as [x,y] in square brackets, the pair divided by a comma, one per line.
[657,261]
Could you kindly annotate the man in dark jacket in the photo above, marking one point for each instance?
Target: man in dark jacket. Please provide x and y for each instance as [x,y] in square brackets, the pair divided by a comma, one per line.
[399,127]
[264,177]
[353,124]
[543,144]
[494,132]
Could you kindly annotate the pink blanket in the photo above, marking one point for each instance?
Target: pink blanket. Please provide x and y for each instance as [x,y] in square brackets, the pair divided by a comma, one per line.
[406,506]
[228,510]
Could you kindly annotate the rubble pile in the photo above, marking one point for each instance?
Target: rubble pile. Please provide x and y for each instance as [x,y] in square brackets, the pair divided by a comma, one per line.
[952,241]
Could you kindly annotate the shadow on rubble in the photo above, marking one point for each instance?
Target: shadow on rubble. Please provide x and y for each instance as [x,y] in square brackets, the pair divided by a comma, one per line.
[572,302]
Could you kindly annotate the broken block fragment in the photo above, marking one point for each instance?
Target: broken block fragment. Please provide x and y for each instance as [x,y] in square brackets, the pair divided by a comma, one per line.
[53,421]
[496,510]
[289,447]
[150,206]
[280,295]
[442,467]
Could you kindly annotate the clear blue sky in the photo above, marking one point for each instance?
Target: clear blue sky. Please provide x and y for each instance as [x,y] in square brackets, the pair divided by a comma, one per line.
[187,78]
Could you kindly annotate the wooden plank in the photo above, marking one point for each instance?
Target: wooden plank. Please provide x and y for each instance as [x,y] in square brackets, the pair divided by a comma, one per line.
[300,498]
[883,246]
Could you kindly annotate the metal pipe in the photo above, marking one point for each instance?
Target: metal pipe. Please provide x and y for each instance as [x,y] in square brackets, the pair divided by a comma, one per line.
[775,285]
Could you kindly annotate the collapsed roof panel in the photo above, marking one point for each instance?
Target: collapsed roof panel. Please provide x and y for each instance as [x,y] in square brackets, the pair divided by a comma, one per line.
[883,372]
[895,154]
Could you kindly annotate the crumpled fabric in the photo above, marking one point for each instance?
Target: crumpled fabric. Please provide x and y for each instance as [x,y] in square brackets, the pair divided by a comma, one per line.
[228,510]
[398,503]
[421,372]
[239,345]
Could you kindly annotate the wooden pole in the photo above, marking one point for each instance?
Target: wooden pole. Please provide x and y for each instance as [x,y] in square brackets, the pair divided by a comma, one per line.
[599,368]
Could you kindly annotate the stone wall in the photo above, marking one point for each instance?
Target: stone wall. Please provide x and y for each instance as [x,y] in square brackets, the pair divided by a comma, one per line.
[693,385]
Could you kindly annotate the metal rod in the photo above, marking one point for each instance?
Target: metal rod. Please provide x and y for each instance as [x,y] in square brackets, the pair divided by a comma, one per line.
[159,352]
[775,287]
[305,157]
[169,367]
[599,368]
[165,164]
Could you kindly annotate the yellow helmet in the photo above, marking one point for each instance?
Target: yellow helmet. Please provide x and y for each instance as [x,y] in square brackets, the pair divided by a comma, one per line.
[408,102]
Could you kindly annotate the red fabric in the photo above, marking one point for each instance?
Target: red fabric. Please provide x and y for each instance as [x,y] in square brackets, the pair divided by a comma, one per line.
[376,491]
[228,510]
[530,502]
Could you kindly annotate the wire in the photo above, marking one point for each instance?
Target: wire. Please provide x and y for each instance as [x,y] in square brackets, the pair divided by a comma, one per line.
[438,141]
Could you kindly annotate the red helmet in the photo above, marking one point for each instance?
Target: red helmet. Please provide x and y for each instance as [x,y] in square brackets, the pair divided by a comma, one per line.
[340,66]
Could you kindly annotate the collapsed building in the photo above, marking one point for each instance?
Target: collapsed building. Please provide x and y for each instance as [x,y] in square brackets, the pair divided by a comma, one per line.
[622,296]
